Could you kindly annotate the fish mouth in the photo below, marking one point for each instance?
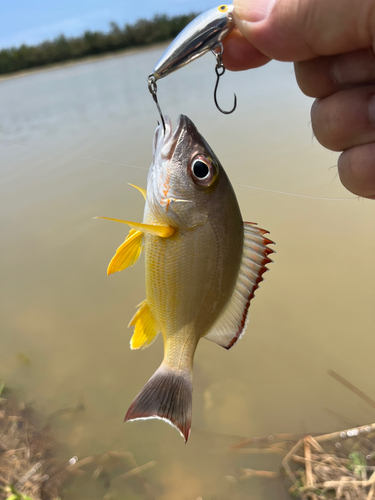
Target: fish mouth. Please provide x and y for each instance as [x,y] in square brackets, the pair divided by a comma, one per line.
[165,141]
[184,124]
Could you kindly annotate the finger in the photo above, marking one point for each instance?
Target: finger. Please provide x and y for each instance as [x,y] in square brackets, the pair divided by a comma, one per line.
[290,30]
[357,170]
[323,76]
[345,119]
[239,54]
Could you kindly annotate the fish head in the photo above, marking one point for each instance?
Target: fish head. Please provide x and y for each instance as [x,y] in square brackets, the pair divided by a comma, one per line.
[186,182]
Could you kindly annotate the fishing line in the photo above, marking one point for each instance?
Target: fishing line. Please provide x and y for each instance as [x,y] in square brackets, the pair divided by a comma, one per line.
[146,168]
[295,194]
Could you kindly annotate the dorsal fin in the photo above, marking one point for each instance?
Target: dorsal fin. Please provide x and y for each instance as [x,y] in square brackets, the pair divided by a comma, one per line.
[233,320]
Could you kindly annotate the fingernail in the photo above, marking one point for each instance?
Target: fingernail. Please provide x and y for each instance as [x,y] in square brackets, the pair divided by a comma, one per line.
[253,11]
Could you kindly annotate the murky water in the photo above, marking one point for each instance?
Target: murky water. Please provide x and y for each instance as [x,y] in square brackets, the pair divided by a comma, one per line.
[64,137]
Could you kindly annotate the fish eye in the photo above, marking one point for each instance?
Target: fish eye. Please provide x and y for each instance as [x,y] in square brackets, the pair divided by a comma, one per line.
[203,172]
[223,8]
[200,169]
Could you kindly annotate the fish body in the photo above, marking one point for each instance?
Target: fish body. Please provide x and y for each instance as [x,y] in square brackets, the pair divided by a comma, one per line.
[189,276]
[203,265]
[201,35]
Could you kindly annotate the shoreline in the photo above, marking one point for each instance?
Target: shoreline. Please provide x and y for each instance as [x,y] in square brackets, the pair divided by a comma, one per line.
[83,60]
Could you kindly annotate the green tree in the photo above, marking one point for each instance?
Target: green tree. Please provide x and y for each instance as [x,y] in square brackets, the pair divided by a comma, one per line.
[143,32]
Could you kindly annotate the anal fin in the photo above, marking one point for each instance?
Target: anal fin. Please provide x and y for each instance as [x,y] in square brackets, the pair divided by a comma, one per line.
[232,322]
[146,329]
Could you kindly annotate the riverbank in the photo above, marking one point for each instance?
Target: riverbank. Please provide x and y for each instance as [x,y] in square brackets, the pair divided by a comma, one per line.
[84,60]
[34,465]
[313,467]
[142,33]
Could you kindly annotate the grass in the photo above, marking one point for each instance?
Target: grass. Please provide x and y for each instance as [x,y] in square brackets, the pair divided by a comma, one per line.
[33,467]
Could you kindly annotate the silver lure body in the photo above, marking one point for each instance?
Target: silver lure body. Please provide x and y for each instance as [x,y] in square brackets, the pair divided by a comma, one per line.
[203,34]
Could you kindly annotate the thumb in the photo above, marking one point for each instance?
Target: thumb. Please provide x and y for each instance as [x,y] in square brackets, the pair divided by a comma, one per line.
[291,30]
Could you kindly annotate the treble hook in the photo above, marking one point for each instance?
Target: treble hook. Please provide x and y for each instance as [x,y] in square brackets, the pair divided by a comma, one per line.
[220,70]
[153,88]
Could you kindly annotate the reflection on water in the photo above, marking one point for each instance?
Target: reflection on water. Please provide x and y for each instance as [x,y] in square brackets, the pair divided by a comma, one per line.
[60,311]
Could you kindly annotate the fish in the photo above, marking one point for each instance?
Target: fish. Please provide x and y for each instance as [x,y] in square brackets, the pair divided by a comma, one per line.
[203,266]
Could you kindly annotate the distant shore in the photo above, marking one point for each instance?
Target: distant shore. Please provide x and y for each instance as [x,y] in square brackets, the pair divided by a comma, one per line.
[83,60]
[144,33]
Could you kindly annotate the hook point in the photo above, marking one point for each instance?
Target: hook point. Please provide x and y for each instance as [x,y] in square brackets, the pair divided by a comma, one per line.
[217,104]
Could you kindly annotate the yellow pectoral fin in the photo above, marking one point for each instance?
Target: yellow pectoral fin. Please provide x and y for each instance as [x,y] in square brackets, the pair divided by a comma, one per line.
[141,190]
[146,329]
[162,231]
[128,253]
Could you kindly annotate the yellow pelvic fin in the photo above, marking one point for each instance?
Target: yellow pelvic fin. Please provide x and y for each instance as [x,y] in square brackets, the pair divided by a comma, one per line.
[128,253]
[146,329]
[141,190]
[162,231]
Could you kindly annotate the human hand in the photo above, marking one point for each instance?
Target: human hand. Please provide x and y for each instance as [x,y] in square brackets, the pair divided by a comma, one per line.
[331,43]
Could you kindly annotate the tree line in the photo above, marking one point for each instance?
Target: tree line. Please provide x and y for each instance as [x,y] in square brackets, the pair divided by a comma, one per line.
[143,32]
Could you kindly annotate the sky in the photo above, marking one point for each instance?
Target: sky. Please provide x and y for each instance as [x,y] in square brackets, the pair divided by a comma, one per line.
[33,21]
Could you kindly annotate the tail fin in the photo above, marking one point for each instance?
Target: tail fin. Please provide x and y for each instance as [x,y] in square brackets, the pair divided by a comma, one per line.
[168,396]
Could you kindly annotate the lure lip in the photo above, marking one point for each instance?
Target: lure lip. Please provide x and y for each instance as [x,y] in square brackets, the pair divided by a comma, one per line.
[205,33]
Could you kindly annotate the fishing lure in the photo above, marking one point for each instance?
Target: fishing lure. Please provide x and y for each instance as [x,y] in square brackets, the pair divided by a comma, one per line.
[204,34]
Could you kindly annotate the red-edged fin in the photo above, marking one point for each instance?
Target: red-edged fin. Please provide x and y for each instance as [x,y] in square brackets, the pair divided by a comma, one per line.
[232,322]
[167,396]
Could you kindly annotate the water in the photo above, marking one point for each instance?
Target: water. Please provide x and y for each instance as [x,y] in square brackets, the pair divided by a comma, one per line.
[59,309]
